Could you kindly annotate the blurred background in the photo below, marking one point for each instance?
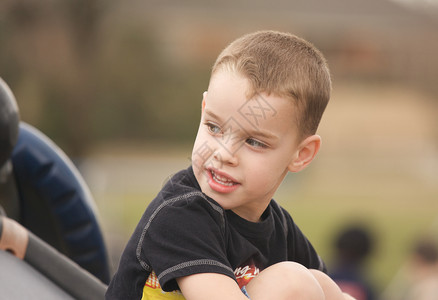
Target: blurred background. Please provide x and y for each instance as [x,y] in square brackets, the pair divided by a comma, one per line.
[118,86]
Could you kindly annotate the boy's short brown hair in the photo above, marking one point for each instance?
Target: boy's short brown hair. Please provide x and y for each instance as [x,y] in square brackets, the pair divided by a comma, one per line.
[284,65]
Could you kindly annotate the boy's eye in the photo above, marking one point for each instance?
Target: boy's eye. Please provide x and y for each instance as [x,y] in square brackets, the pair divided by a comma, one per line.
[255,143]
[214,129]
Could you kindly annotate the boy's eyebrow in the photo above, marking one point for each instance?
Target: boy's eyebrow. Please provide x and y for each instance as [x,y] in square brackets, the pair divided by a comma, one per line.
[212,114]
[263,134]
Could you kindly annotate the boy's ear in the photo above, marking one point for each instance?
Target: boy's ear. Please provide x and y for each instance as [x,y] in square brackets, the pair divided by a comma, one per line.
[306,152]
[204,94]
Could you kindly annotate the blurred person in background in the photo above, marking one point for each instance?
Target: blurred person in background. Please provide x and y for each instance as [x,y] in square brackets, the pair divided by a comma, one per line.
[418,279]
[353,245]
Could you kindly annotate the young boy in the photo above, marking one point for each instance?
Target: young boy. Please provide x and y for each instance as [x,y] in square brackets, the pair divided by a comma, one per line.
[214,231]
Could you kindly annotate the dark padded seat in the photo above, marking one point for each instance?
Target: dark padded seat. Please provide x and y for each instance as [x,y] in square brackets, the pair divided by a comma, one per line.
[44,193]
[55,203]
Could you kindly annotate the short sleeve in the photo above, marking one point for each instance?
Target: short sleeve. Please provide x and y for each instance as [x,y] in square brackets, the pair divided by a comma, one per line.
[184,236]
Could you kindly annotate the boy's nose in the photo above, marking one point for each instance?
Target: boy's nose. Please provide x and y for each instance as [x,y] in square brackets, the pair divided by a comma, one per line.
[226,156]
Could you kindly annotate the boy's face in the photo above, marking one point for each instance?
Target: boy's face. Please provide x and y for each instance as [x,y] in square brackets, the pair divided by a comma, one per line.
[244,148]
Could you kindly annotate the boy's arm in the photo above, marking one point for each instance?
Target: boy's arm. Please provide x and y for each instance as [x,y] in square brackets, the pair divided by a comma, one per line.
[212,286]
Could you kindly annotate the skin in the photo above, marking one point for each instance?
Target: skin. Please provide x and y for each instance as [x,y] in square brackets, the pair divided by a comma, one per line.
[251,159]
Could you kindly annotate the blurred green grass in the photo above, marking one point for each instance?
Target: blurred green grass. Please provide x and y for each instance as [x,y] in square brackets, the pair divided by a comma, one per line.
[395,219]
[395,227]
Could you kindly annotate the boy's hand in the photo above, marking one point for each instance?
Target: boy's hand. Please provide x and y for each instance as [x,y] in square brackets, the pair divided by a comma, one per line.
[210,286]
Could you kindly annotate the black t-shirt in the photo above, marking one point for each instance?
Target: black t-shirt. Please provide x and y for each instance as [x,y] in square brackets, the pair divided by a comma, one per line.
[184,232]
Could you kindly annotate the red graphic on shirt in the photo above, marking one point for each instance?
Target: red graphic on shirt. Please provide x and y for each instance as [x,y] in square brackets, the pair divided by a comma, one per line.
[245,273]
[152,281]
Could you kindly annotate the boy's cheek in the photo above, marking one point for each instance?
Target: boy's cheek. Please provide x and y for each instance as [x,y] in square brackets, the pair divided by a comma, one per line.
[201,153]
[196,164]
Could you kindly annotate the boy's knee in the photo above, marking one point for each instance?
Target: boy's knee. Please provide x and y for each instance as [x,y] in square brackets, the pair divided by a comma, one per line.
[330,288]
[289,280]
[298,278]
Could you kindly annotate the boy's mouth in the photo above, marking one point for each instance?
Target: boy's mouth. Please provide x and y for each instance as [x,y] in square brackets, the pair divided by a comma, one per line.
[221,182]
[221,179]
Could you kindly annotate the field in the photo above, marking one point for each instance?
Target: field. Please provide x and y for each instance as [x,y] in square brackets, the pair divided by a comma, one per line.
[397,209]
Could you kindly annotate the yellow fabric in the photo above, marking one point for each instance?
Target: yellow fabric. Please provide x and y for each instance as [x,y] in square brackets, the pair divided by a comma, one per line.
[152,291]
